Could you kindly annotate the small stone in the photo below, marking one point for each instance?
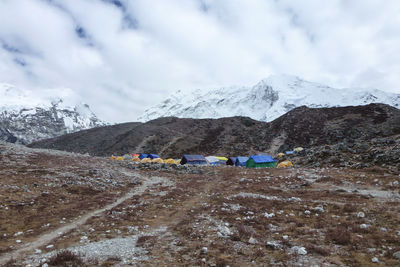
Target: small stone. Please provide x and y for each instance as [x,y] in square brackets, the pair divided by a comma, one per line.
[18,241]
[361,214]
[38,251]
[50,246]
[383,229]
[286,237]
[253,241]
[363,226]
[307,212]
[204,250]
[375,260]
[299,250]
[203,260]
[45,265]
[396,255]
[319,209]
[268,215]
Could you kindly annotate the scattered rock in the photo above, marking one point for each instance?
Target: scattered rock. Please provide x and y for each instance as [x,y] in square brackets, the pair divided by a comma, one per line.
[50,246]
[273,245]
[269,215]
[375,260]
[204,250]
[18,241]
[319,209]
[299,250]
[38,251]
[361,214]
[253,241]
[396,255]
[307,212]
[363,226]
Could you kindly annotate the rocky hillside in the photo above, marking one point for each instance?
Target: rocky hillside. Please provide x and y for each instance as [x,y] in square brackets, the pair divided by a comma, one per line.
[172,137]
[66,209]
[26,117]
[265,101]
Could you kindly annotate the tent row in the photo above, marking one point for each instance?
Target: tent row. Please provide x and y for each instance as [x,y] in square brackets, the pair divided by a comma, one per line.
[254,161]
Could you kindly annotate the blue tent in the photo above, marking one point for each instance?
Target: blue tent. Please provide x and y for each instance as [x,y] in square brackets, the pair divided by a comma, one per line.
[289,152]
[241,161]
[142,156]
[193,159]
[152,156]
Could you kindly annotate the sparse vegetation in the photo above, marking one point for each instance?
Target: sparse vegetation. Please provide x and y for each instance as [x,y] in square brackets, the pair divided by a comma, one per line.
[241,216]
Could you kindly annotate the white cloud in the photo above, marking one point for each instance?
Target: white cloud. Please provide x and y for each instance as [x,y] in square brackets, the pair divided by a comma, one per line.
[123,56]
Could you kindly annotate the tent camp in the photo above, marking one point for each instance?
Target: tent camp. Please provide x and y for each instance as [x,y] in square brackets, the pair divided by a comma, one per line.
[119,158]
[281,155]
[241,161]
[157,160]
[145,160]
[136,159]
[170,161]
[193,159]
[142,156]
[215,160]
[285,164]
[289,152]
[261,161]
[153,156]
[231,161]
[211,159]
[298,149]
[135,155]
[113,157]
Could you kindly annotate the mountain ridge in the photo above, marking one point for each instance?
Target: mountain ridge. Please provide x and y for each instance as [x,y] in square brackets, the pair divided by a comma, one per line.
[27,116]
[265,101]
[172,136]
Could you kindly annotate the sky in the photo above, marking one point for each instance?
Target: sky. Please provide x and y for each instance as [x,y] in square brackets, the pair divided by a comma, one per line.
[123,56]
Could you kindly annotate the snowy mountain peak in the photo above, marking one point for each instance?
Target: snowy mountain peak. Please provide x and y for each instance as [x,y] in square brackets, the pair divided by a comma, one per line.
[265,101]
[27,116]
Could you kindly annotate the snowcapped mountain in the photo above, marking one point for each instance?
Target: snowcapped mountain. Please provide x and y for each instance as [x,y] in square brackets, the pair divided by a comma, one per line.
[27,116]
[265,101]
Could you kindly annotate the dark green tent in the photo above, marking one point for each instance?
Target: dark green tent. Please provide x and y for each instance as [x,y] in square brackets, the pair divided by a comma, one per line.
[261,161]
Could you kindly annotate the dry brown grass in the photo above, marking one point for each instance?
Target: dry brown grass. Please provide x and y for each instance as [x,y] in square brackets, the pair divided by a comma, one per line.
[66,258]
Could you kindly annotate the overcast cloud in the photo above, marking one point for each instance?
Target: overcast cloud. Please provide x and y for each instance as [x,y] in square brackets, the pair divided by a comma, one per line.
[123,56]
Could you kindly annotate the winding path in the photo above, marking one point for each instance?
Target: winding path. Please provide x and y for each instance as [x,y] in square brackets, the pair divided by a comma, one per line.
[48,237]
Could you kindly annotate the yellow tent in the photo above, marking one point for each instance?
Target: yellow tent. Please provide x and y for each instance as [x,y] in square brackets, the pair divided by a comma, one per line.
[298,149]
[119,158]
[136,159]
[281,155]
[112,158]
[145,160]
[157,160]
[170,161]
[285,164]
[222,158]
[178,161]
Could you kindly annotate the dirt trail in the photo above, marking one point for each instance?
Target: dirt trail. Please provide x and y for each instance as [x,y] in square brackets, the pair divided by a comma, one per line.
[48,237]
[171,218]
